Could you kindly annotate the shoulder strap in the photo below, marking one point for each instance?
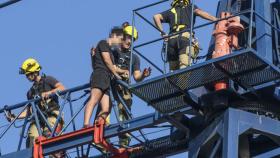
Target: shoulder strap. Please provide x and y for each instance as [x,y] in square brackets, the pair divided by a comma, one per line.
[173,10]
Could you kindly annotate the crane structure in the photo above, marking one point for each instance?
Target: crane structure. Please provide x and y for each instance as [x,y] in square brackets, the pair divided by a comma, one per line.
[235,113]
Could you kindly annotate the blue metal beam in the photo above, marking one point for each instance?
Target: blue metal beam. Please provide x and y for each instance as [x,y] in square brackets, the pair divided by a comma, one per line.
[230,126]
[263,30]
[150,5]
[230,135]
[19,105]
[10,2]
[111,131]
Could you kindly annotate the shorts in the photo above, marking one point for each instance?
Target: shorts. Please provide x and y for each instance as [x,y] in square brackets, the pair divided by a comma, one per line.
[101,79]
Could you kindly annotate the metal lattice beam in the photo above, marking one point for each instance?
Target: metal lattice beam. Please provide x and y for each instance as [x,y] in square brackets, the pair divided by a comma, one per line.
[10,2]
[85,136]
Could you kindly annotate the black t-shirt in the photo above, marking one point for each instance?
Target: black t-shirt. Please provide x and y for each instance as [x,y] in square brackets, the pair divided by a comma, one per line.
[122,59]
[46,83]
[183,16]
[98,62]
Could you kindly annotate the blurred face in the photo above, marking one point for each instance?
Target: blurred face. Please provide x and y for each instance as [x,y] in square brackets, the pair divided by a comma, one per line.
[126,43]
[116,39]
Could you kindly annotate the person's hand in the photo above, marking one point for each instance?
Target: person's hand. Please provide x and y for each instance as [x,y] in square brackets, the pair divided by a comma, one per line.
[125,75]
[92,51]
[163,34]
[45,95]
[147,72]
[9,116]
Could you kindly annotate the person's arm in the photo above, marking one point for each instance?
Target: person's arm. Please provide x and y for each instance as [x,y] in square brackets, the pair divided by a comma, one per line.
[137,74]
[10,116]
[57,86]
[140,76]
[205,15]
[107,59]
[158,21]
[119,70]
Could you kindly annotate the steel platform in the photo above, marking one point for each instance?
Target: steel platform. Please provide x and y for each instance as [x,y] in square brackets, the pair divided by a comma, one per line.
[161,147]
[157,148]
[222,137]
[166,93]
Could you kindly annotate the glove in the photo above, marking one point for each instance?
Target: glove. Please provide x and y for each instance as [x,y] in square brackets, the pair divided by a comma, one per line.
[9,116]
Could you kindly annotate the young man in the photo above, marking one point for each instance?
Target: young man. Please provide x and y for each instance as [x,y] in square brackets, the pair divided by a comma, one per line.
[123,61]
[179,18]
[104,70]
[43,86]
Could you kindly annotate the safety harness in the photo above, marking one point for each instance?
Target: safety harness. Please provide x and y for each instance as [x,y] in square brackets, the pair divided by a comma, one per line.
[49,105]
[178,25]
[181,16]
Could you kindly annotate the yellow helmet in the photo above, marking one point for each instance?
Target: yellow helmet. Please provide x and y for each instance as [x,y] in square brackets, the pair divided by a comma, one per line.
[30,65]
[176,2]
[128,30]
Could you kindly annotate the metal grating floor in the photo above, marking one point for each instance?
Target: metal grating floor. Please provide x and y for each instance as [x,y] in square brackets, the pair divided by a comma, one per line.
[165,93]
[171,104]
[159,147]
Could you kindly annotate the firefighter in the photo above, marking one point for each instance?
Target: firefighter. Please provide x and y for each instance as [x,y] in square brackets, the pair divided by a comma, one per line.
[123,61]
[104,71]
[43,86]
[179,18]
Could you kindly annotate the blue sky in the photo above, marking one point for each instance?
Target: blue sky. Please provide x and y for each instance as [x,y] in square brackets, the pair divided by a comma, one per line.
[59,34]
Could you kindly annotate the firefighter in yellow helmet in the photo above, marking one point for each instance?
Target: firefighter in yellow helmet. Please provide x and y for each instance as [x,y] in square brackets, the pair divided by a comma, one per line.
[43,86]
[123,61]
[179,18]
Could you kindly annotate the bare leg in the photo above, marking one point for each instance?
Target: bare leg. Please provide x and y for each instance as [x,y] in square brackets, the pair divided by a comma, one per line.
[95,96]
[105,106]
[107,121]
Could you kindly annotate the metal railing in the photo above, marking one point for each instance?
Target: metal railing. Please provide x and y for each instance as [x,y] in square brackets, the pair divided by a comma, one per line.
[65,96]
[250,12]
[38,116]
[9,2]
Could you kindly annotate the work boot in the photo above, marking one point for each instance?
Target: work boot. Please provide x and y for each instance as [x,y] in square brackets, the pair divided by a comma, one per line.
[29,142]
[60,154]
[101,149]
[124,140]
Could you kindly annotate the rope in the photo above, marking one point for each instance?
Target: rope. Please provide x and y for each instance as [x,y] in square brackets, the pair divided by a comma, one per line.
[163,52]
